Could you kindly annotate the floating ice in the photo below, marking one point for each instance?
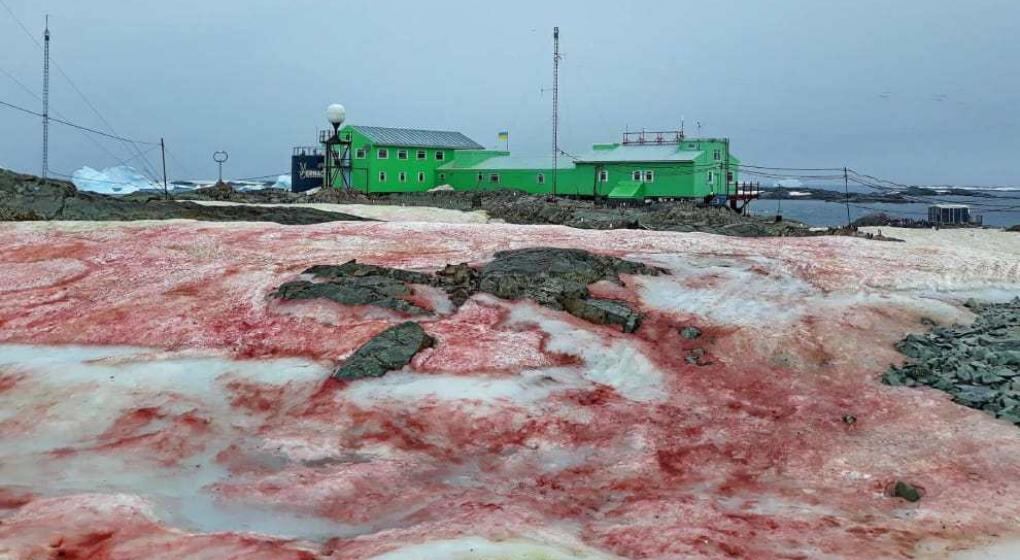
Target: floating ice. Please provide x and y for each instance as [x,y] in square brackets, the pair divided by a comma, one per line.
[282,182]
[112,180]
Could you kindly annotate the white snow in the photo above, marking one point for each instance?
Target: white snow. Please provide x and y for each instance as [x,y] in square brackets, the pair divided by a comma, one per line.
[799,193]
[63,381]
[417,214]
[526,387]
[478,548]
[616,362]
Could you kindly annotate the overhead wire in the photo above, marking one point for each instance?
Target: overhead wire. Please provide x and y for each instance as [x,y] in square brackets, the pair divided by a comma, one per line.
[78,126]
[149,169]
[84,134]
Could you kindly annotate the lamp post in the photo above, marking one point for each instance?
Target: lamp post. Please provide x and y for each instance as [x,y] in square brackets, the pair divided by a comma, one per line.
[338,151]
[220,158]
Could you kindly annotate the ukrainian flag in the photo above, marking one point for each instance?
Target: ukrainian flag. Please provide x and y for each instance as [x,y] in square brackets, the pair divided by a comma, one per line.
[504,136]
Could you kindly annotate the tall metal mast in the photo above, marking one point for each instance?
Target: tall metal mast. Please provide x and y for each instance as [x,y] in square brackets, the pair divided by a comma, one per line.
[556,107]
[46,102]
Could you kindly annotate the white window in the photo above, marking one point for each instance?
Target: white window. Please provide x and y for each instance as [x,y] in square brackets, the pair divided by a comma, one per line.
[494,178]
[383,153]
[604,176]
[440,155]
[711,177]
[636,176]
[649,176]
[422,154]
[402,176]
[421,176]
[382,176]
[401,154]
[360,153]
[540,179]
[717,155]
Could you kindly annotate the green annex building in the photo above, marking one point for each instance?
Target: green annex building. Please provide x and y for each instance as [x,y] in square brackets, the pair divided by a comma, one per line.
[643,165]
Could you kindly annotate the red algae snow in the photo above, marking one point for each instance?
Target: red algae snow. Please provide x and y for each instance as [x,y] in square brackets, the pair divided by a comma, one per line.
[156,403]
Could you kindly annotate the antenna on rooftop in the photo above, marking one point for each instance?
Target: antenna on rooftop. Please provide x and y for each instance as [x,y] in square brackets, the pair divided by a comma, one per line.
[46,101]
[556,107]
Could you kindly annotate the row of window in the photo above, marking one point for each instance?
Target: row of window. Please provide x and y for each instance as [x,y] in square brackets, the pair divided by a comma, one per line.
[494,178]
[639,176]
[384,153]
[402,177]
[716,155]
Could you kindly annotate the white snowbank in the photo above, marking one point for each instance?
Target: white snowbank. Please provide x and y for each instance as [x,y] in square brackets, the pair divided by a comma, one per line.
[477,548]
[64,381]
[112,180]
[616,362]
[528,386]
[381,212]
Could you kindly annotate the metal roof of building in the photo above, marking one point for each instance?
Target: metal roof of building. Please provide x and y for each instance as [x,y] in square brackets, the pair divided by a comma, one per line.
[511,163]
[624,154]
[414,138]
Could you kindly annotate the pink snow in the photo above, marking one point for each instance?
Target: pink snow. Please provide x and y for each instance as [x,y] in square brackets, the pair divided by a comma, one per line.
[152,396]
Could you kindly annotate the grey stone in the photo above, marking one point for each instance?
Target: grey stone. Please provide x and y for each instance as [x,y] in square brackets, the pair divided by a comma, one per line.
[28,197]
[974,395]
[459,281]
[390,350]
[354,269]
[906,491]
[697,357]
[604,312]
[690,333]
[559,279]
[976,365]
[369,290]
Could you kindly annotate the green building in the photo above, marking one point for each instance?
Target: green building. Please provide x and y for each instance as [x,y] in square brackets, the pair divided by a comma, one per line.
[400,159]
[643,165]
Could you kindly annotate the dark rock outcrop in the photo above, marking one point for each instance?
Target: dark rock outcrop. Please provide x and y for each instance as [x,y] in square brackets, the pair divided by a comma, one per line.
[550,276]
[559,279]
[357,290]
[25,197]
[459,281]
[354,269]
[978,365]
[390,350]
[555,278]
[906,491]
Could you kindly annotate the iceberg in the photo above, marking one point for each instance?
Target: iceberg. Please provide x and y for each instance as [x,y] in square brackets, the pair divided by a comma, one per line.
[789,183]
[282,182]
[121,179]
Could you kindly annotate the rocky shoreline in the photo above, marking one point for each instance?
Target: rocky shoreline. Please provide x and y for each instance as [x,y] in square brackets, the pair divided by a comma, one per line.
[978,365]
[30,198]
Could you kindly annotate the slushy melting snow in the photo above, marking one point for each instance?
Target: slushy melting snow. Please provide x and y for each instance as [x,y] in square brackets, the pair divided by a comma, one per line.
[155,403]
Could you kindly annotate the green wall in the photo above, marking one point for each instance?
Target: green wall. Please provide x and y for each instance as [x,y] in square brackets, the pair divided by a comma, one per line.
[372,173]
[466,170]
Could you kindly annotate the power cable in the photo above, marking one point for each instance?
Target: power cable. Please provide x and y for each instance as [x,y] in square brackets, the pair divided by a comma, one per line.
[78,126]
[147,164]
[95,142]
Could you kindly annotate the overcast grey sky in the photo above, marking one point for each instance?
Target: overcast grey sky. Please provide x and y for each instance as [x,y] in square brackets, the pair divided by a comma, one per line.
[915,90]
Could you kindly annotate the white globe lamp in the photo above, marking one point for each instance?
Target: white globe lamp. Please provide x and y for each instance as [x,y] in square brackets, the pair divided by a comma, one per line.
[336,114]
